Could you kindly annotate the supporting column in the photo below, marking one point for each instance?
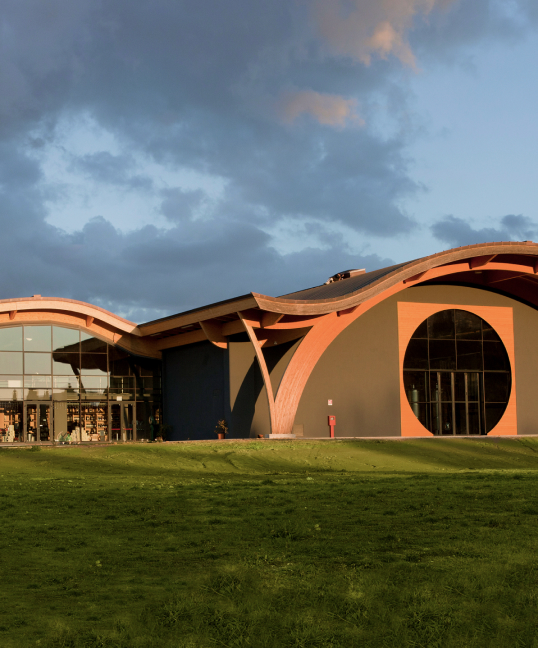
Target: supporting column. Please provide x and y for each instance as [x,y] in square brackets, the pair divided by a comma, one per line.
[247,324]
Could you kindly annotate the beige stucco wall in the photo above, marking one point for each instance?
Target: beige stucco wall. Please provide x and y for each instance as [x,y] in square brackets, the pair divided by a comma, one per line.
[359,370]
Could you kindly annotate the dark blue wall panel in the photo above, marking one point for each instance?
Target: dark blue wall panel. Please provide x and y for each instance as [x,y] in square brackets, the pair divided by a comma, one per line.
[196,390]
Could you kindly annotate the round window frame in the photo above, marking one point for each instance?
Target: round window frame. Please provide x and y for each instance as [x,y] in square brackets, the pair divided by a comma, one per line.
[410,314]
[455,408]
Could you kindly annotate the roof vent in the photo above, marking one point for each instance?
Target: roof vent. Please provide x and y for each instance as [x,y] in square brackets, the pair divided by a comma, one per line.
[345,274]
[36,295]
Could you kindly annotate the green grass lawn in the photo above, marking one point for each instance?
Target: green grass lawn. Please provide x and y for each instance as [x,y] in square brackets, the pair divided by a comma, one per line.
[305,544]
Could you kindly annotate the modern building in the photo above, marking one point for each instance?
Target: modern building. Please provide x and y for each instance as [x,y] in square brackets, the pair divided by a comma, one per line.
[443,345]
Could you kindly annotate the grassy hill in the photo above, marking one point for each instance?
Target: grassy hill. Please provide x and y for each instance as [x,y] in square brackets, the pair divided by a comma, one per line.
[328,543]
[197,460]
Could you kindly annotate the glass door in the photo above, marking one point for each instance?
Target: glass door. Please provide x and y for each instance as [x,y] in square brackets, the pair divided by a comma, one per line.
[121,422]
[11,421]
[115,422]
[127,421]
[67,428]
[441,395]
[147,421]
[38,422]
[456,402]
[467,403]
[94,420]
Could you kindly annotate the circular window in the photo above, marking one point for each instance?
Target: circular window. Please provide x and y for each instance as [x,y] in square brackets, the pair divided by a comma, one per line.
[457,374]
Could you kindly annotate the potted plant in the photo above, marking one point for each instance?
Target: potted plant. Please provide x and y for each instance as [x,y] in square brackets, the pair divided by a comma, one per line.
[221,429]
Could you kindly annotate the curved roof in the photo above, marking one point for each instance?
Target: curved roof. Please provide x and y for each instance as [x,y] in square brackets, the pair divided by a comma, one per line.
[343,287]
[37,302]
[483,265]
[355,290]
[502,257]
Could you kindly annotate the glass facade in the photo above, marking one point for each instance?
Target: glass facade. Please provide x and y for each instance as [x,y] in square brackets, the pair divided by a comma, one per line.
[457,374]
[62,385]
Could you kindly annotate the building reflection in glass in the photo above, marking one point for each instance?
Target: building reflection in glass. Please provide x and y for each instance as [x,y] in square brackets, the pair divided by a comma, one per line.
[64,385]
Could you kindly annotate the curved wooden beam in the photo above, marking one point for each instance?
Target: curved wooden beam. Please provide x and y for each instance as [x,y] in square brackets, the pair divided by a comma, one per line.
[39,303]
[128,341]
[198,314]
[323,332]
[269,319]
[247,324]
[213,332]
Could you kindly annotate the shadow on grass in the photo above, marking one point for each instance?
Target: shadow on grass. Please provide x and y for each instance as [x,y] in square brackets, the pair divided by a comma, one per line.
[398,605]
[194,462]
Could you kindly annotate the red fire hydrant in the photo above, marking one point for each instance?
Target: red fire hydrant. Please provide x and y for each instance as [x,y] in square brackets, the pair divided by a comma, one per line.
[332,423]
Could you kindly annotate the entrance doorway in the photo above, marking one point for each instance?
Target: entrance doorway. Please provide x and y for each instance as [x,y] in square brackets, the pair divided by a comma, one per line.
[94,421]
[62,421]
[456,402]
[67,421]
[121,422]
[38,422]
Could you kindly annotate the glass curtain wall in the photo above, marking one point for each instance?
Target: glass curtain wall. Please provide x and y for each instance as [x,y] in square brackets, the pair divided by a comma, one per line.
[63,385]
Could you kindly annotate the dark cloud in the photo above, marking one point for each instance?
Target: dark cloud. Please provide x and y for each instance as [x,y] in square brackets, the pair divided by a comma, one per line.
[152,272]
[179,205]
[106,168]
[200,86]
[456,231]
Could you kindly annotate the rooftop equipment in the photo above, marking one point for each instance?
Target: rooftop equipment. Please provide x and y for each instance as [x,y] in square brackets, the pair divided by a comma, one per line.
[345,274]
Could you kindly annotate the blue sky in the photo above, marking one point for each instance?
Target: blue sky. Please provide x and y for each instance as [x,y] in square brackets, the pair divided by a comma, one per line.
[155,157]
[478,158]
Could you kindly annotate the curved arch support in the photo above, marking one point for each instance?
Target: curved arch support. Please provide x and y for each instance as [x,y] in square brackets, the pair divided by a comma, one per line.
[67,306]
[263,368]
[316,341]
[213,332]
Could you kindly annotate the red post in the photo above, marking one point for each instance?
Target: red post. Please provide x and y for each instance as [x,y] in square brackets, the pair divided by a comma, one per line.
[332,423]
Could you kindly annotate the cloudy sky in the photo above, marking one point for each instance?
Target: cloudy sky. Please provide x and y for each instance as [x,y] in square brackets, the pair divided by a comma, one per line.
[158,156]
